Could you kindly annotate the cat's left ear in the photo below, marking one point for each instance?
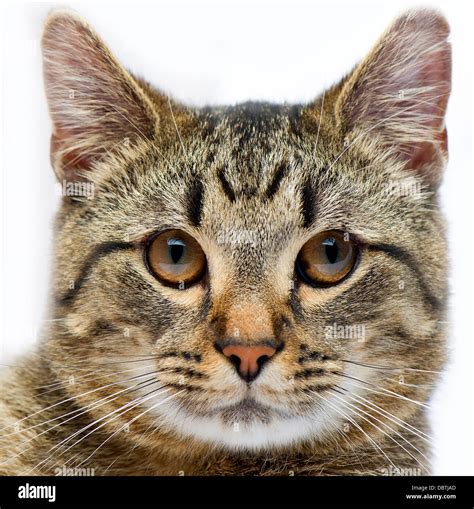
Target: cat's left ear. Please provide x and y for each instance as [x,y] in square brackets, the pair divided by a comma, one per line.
[400,91]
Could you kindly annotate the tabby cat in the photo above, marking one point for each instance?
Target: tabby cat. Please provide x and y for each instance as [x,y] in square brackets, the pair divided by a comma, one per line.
[257,289]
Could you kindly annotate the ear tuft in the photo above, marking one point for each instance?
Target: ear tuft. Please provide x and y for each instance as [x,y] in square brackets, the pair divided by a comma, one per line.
[400,92]
[95,104]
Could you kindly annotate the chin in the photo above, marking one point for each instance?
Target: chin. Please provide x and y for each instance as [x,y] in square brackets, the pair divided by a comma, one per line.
[248,426]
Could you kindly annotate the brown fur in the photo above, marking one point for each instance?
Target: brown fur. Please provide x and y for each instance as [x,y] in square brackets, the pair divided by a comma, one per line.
[251,183]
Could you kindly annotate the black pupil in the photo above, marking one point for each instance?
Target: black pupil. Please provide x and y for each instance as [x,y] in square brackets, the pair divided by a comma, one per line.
[331,250]
[176,251]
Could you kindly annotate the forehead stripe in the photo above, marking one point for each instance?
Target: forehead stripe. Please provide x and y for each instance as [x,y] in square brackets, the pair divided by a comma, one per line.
[280,172]
[194,201]
[226,187]
[308,204]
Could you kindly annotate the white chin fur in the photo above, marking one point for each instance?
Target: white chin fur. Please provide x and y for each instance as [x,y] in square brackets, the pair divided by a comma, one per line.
[254,436]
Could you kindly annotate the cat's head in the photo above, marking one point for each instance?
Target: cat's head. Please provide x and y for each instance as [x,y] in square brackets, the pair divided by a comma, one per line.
[249,276]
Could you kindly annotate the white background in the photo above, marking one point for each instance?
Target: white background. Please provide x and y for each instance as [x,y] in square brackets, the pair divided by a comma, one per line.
[225,53]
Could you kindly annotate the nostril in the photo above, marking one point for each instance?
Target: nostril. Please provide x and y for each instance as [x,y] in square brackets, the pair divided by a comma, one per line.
[235,361]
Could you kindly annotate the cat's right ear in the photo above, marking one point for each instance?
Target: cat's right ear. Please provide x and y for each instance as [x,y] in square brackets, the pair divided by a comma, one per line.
[95,104]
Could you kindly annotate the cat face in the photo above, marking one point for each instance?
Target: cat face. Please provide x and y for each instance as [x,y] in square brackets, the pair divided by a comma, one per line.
[250,276]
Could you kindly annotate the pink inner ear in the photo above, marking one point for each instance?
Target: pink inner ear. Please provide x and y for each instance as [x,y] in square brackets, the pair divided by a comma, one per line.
[71,162]
[425,156]
[400,92]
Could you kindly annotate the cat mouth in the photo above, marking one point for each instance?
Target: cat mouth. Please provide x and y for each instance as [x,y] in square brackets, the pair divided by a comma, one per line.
[247,411]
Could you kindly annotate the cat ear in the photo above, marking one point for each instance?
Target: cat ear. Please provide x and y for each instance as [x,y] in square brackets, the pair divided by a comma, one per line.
[95,104]
[400,91]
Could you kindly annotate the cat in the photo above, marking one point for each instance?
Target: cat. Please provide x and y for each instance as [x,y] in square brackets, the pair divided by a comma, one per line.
[257,289]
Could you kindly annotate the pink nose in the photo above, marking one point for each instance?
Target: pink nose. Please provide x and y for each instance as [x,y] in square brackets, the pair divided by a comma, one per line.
[248,360]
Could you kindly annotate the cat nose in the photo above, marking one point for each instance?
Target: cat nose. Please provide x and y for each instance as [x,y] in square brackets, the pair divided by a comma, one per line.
[248,359]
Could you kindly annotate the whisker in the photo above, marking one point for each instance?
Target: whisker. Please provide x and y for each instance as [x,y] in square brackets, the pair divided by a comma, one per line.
[146,138]
[396,420]
[389,367]
[344,436]
[128,406]
[116,362]
[91,376]
[133,124]
[124,409]
[77,365]
[320,118]
[358,410]
[47,386]
[65,401]
[130,422]
[130,451]
[176,127]
[92,406]
[386,392]
[410,385]
[340,412]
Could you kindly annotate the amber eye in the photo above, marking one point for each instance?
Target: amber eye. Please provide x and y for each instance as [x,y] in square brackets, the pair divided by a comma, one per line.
[326,259]
[175,259]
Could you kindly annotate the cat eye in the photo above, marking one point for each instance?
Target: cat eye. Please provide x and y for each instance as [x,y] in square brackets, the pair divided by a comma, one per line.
[175,259]
[326,259]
